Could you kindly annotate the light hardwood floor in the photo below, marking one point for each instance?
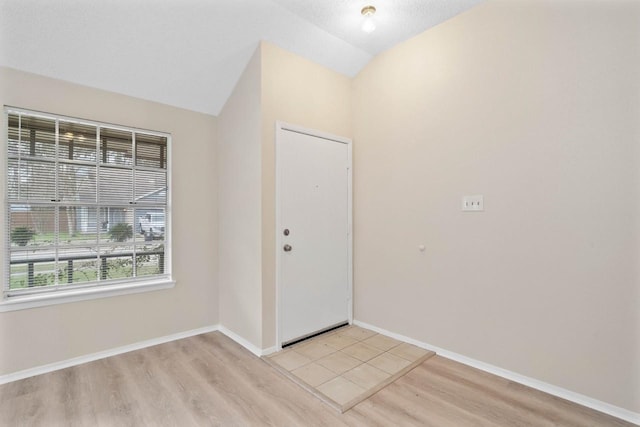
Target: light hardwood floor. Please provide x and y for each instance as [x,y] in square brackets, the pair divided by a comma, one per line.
[210,380]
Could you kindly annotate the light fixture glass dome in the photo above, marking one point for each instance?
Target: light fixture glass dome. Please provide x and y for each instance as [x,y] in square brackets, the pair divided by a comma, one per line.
[368,25]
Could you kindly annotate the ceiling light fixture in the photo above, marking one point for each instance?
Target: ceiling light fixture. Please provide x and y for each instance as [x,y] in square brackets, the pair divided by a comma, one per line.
[368,25]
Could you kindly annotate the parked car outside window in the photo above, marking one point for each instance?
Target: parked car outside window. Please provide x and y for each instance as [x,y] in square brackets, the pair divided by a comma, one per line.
[152,224]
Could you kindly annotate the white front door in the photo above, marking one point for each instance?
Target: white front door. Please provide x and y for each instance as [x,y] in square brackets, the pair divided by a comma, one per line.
[313,231]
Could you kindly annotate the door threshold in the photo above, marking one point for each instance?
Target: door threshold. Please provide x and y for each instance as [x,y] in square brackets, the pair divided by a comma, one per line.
[314,334]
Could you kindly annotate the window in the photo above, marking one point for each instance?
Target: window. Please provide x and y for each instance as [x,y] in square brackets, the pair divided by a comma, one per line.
[86,204]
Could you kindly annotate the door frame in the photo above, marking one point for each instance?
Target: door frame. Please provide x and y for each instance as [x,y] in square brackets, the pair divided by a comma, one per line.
[282,127]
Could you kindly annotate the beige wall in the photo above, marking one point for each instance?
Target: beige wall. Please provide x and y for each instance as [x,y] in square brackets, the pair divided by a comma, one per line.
[239,168]
[297,91]
[276,85]
[34,337]
[535,105]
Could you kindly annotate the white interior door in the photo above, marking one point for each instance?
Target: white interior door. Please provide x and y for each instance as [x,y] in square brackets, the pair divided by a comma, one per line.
[313,229]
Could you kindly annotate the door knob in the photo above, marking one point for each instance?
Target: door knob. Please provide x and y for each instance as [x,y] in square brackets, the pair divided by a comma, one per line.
[287,248]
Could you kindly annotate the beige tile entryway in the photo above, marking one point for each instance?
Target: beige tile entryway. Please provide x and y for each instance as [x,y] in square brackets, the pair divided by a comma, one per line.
[346,366]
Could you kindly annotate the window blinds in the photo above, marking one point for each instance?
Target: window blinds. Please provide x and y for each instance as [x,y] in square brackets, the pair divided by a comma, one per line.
[86,202]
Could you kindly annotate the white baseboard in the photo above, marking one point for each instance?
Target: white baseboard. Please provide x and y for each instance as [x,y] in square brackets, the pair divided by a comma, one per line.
[268,351]
[246,344]
[102,354]
[580,399]
[15,376]
[243,342]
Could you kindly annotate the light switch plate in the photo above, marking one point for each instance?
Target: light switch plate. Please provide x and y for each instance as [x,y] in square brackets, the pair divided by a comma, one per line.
[473,203]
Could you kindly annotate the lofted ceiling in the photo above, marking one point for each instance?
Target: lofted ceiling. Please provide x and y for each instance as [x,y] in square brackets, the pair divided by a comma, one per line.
[191,53]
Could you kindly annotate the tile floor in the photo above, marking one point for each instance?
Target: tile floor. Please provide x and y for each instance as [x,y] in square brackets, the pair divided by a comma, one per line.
[346,366]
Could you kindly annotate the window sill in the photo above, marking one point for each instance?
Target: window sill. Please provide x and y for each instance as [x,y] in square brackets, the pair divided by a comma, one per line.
[63,297]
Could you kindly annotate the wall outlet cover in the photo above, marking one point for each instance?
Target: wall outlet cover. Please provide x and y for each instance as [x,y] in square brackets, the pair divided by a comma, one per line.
[473,203]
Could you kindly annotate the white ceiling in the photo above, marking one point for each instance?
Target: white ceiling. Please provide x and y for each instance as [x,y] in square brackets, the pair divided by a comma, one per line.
[190,53]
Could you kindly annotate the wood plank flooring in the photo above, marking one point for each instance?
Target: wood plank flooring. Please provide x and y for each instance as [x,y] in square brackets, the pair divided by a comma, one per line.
[209,380]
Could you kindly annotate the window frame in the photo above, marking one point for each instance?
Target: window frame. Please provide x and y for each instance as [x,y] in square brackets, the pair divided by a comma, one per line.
[58,294]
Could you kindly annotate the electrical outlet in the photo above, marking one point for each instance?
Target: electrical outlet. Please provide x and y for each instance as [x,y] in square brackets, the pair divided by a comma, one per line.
[473,203]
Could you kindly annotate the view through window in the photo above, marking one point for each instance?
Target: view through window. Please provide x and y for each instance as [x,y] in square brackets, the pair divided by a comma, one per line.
[86,203]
